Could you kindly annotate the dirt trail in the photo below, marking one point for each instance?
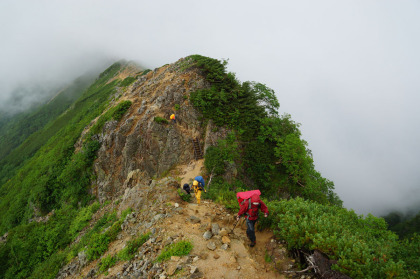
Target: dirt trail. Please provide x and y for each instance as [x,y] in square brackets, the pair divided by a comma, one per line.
[238,261]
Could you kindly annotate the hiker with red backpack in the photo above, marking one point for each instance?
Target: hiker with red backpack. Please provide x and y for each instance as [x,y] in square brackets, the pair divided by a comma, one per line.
[250,203]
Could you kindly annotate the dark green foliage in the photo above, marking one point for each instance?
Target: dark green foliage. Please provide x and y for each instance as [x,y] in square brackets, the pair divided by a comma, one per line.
[31,244]
[184,196]
[225,193]
[181,248]
[127,81]
[144,72]
[107,262]
[403,225]
[268,150]
[176,107]
[226,152]
[131,247]
[409,251]
[160,120]
[363,247]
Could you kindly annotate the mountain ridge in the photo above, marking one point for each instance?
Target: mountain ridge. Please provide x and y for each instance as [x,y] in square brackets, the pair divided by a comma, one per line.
[116,139]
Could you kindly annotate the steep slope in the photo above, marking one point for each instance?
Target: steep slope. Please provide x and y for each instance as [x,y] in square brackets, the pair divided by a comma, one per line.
[142,144]
[218,252]
[15,129]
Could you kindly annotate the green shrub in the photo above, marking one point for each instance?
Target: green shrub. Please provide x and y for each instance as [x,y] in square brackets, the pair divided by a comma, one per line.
[362,247]
[184,196]
[181,248]
[161,120]
[120,110]
[127,81]
[144,72]
[98,244]
[225,193]
[225,152]
[115,113]
[131,247]
[83,218]
[177,107]
[106,263]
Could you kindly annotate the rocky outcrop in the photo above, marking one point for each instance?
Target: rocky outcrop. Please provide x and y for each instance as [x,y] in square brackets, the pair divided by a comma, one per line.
[138,148]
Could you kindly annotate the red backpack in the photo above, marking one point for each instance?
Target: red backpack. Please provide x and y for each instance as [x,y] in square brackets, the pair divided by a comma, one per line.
[252,206]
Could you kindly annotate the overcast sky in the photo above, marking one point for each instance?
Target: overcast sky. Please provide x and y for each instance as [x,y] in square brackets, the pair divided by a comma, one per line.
[348,71]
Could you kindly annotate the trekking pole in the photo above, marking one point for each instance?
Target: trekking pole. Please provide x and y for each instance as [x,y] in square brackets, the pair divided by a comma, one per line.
[237,221]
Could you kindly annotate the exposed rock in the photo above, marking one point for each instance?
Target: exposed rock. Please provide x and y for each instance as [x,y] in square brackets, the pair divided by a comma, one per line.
[215,229]
[211,245]
[194,219]
[226,240]
[207,235]
[225,246]
[223,232]
[172,266]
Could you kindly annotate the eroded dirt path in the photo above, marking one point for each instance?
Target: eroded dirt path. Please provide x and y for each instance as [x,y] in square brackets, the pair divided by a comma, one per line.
[239,260]
[189,221]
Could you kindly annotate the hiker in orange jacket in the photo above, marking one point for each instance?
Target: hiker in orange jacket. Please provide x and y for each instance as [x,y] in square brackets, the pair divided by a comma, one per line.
[250,208]
[172,117]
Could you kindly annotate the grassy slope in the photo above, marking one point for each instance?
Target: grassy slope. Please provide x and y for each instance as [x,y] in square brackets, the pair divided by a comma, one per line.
[36,182]
[15,130]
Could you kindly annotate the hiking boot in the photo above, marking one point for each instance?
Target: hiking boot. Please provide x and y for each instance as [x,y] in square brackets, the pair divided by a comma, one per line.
[252,244]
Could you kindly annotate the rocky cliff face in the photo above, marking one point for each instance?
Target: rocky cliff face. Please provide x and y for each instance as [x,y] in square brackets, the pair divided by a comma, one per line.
[138,148]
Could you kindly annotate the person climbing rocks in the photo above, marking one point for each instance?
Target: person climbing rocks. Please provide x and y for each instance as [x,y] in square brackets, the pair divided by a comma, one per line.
[250,208]
[198,187]
[187,188]
[172,117]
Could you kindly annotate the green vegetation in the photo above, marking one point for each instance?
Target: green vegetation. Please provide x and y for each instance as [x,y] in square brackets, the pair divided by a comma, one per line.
[363,247]
[160,120]
[404,226]
[50,177]
[15,130]
[131,247]
[82,218]
[184,196]
[127,81]
[46,179]
[98,241]
[106,263]
[265,149]
[181,248]
[44,175]
[114,113]
[144,72]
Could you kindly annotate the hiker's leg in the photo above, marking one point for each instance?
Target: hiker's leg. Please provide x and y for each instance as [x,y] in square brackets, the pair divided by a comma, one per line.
[250,229]
[198,196]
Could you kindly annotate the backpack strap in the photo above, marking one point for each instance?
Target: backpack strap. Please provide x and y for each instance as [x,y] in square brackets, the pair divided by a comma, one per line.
[249,207]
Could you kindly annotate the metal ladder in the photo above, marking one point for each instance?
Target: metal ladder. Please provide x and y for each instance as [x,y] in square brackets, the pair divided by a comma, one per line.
[198,154]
